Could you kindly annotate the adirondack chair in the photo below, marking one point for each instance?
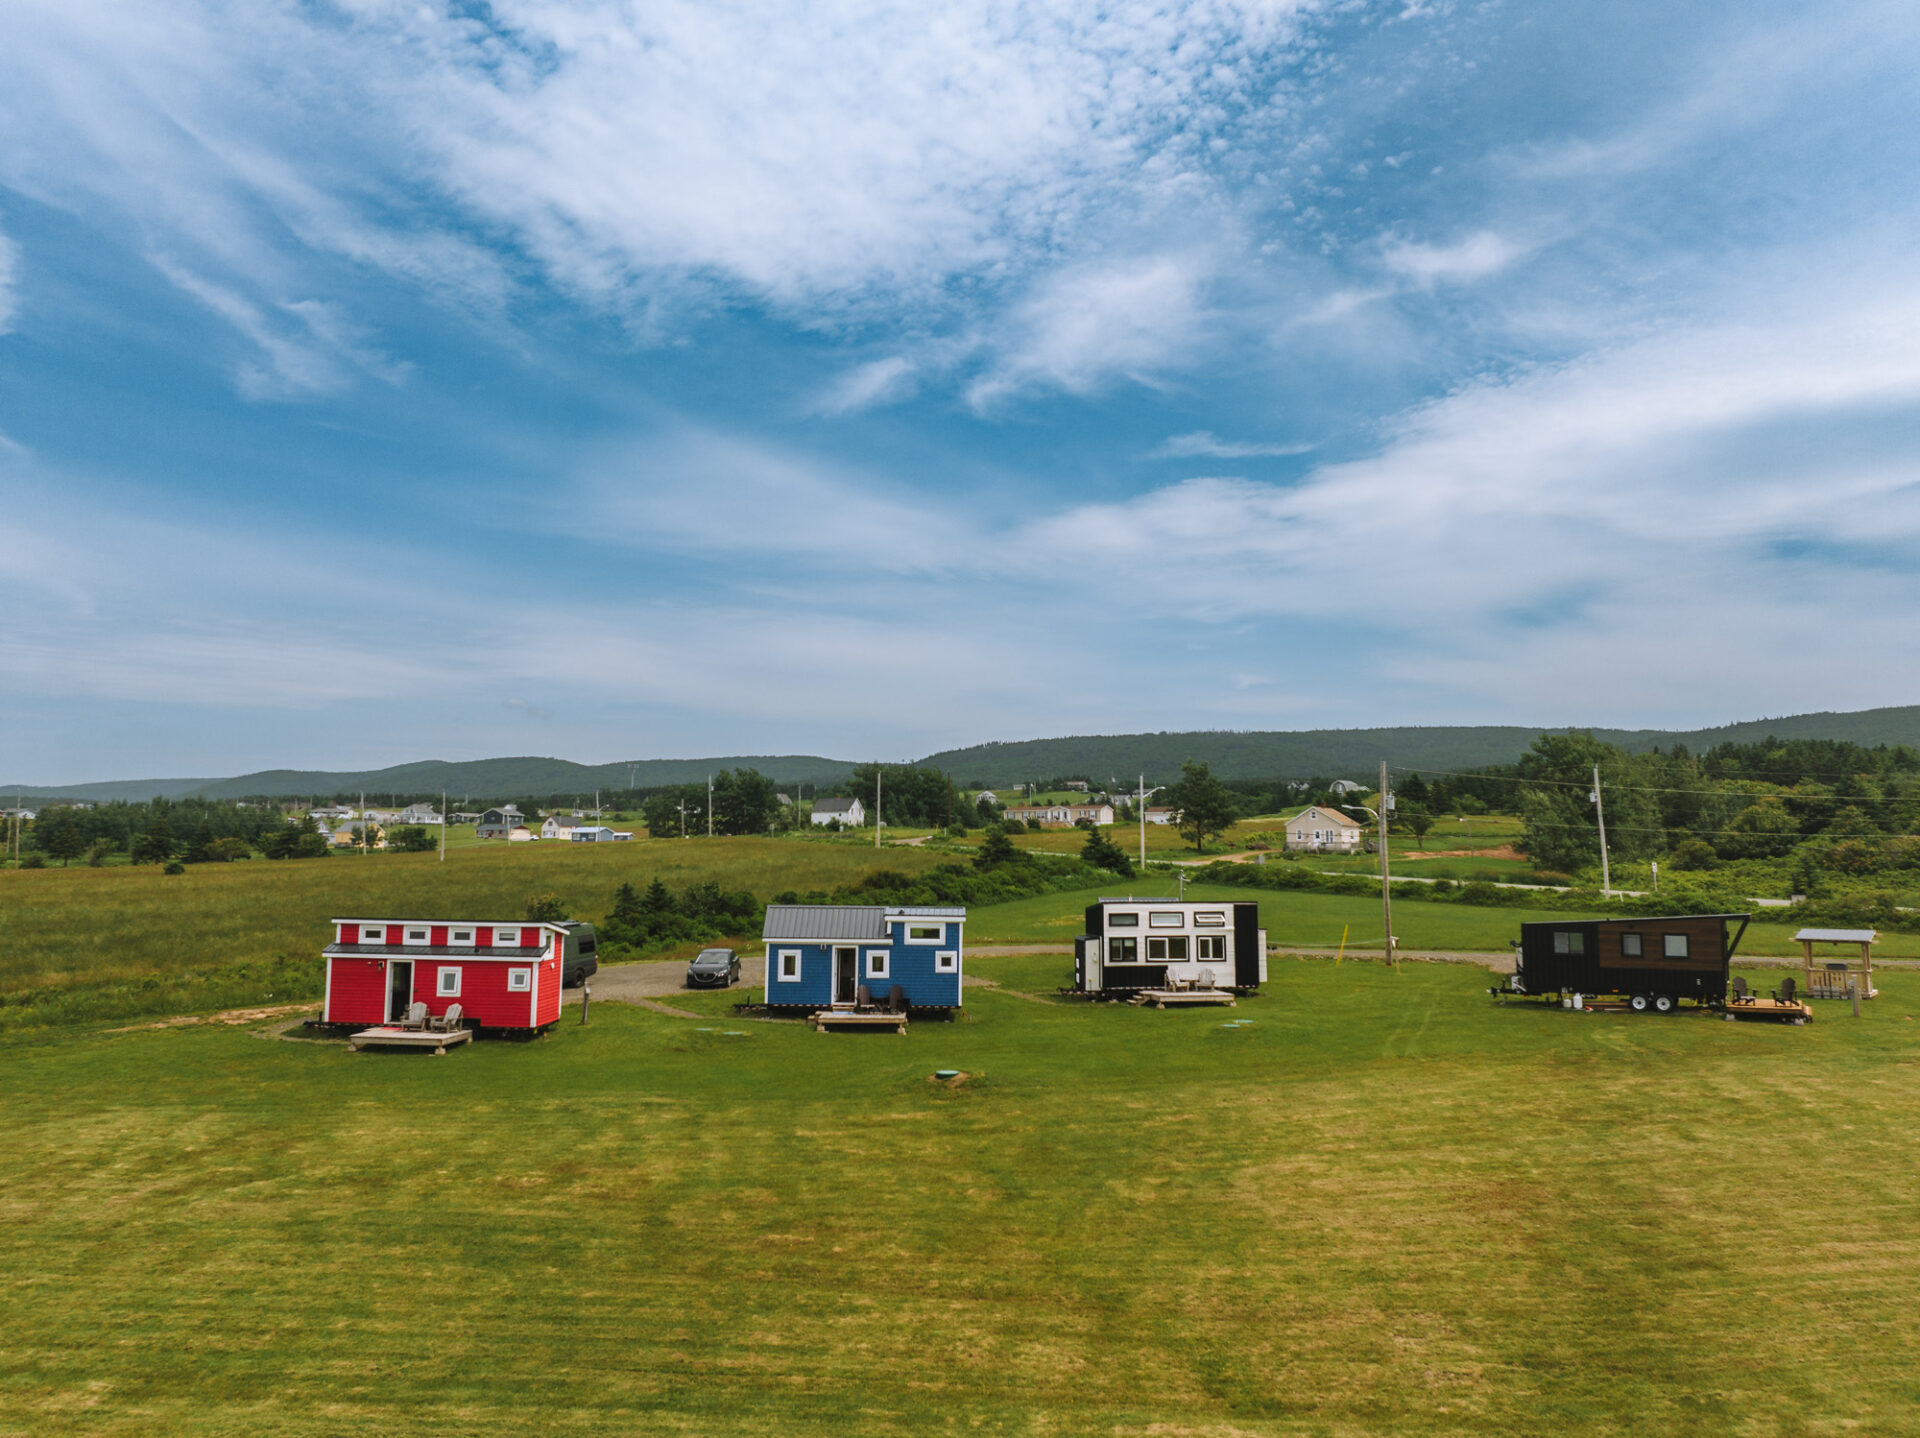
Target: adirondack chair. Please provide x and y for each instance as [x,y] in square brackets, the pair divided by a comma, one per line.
[416,1016]
[449,1021]
[1737,986]
[862,999]
[1785,993]
[896,1000]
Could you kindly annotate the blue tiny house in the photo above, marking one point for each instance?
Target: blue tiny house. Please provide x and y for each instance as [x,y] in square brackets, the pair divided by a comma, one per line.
[819,955]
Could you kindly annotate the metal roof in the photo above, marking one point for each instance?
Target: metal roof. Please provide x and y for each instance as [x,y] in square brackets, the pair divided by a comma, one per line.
[843,921]
[837,805]
[1839,936]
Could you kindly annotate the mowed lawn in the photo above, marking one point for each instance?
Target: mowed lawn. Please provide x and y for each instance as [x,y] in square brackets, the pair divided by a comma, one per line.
[1389,1205]
[98,943]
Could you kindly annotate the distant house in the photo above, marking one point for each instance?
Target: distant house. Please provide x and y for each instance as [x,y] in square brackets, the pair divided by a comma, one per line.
[1061,815]
[785,800]
[1162,816]
[498,823]
[347,835]
[1077,785]
[463,818]
[418,814]
[986,796]
[1346,786]
[1322,829]
[556,827]
[597,834]
[521,834]
[850,812]
[332,811]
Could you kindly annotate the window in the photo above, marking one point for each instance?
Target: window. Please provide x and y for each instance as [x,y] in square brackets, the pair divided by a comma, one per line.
[1173,950]
[1123,921]
[519,981]
[1166,919]
[876,963]
[925,933]
[463,936]
[449,985]
[1675,945]
[1210,919]
[372,934]
[416,936]
[1123,951]
[1569,941]
[789,970]
[1629,946]
[946,961]
[1210,946]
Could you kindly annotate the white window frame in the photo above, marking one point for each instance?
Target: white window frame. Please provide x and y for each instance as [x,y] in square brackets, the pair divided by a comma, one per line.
[947,961]
[780,973]
[460,936]
[418,936]
[1123,921]
[519,981]
[1166,919]
[878,963]
[380,930]
[1210,919]
[1217,942]
[926,933]
[446,984]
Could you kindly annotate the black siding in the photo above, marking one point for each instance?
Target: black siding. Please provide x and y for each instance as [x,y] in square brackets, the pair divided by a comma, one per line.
[1246,945]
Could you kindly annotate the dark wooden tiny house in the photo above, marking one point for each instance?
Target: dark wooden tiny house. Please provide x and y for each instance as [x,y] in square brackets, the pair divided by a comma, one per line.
[1654,962]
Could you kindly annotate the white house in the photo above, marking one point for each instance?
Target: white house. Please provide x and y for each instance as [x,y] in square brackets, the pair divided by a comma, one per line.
[1324,830]
[986,796]
[554,826]
[1061,814]
[850,812]
[597,834]
[1162,816]
[419,814]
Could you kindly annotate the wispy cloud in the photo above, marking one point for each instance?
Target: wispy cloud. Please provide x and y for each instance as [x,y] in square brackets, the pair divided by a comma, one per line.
[9,280]
[1473,258]
[1203,444]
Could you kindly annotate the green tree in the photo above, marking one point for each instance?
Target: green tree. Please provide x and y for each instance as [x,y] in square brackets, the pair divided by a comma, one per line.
[1206,806]
[1415,820]
[744,801]
[997,850]
[412,839]
[1102,853]
[1556,805]
[156,845]
[1694,855]
[545,908]
[60,836]
[1765,829]
[199,843]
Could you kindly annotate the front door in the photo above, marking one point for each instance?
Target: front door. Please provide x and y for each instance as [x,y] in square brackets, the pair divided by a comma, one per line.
[399,989]
[846,975]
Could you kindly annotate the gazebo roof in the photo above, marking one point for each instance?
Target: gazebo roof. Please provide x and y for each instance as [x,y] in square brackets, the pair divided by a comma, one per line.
[1839,936]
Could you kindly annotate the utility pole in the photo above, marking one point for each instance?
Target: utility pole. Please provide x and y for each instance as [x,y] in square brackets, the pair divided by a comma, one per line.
[443,826]
[1600,814]
[1386,875]
[682,807]
[709,806]
[878,770]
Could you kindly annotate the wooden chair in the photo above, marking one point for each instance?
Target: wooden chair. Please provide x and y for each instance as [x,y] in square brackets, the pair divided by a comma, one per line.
[1784,994]
[862,999]
[896,1000]
[416,1016]
[452,1019]
[1737,988]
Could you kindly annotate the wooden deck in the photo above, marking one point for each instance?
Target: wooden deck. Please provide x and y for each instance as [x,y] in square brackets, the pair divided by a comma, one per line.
[410,1039]
[1182,998]
[1768,1010]
[827,1020]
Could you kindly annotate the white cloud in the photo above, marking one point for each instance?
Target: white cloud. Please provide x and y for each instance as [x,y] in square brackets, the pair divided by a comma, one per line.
[1472,258]
[9,279]
[875,382]
[1203,444]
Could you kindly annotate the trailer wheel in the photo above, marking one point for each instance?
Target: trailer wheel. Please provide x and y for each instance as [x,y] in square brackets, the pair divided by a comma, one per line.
[1638,1003]
[1664,1004]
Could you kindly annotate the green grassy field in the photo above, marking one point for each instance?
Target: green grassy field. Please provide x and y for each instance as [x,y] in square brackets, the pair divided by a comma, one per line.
[1388,1206]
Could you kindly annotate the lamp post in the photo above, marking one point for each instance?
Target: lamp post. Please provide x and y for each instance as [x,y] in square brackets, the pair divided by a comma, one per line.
[1386,880]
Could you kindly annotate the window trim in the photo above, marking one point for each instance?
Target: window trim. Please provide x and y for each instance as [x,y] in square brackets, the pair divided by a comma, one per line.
[926,933]
[1217,941]
[1210,919]
[519,980]
[417,936]
[780,974]
[1638,943]
[1667,942]
[947,961]
[1129,920]
[878,964]
[1166,919]
[1131,950]
[460,936]
[441,988]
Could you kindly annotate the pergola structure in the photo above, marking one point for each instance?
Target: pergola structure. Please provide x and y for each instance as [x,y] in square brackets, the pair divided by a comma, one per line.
[1831,976]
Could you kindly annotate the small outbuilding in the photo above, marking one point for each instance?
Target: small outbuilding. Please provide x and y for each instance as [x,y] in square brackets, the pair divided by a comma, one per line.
[502,975]
[819,956]
[1832,973]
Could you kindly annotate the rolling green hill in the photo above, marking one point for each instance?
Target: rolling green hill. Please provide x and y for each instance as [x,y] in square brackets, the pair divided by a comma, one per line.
[1233,755]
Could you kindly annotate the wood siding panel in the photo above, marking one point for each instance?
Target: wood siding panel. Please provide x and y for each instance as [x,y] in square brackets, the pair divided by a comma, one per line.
[358,991]
[1706,941]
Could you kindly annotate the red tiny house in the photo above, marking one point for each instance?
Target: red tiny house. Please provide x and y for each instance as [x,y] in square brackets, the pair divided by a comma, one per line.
[503,976]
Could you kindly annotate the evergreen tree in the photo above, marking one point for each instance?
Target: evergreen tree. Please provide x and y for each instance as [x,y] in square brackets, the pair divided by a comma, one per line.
[997,850]
[1102,853]
[1206,806]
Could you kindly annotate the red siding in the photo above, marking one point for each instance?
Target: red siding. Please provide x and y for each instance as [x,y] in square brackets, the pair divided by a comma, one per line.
[484,997]
[438,936]
[393,933]
[357,992]
[483,936]
[547,979]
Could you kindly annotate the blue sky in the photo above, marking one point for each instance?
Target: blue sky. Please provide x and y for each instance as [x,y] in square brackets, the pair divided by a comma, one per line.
[391,381]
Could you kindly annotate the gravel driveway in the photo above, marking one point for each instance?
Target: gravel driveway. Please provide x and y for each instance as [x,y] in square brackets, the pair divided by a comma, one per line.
[662,978]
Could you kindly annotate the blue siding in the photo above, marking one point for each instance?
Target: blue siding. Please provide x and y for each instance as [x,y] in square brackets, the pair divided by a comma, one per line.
[909,965]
